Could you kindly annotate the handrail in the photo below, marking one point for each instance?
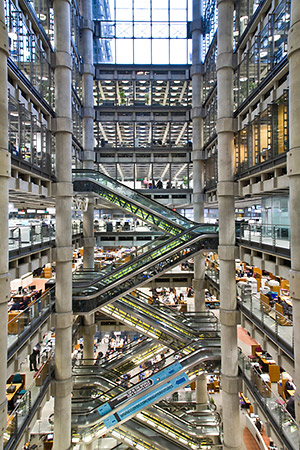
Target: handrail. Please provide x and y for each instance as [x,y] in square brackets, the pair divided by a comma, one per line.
[184,238]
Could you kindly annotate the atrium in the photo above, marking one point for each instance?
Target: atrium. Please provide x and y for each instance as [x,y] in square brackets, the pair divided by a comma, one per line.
[150,201]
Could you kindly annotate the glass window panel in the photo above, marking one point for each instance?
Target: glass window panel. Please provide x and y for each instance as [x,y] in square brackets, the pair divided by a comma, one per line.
[190,51]
[178,4]
[142,51]
[123,9]
[160,4]
[178,15]
[142,10]
[160,10]
[124,51]
[142,4]
[111,9]
[142,29]
[124,30]
[160,15]
[160,52]
[178,51]
[190,10]
[178,30]
[160,30]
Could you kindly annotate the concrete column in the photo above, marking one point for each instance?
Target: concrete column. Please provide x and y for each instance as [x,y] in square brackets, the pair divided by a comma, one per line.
[198,169]
[198,155]
[201,389]
[4,180]
[88,72]
[293,166]
[89,240]
[228,315]
[64,190]
[88,333]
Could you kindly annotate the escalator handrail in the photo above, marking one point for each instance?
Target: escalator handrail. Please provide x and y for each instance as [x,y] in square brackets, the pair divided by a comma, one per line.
[170,322]
[209,354]
[143,268]
[117,357]
[124,187]
[105,271]
[161,245]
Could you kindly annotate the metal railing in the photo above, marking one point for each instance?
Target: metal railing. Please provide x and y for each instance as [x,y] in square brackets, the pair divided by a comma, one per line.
[277,326]
[274,406]
[26,405]
[26,321]
[25,236]
[272,235]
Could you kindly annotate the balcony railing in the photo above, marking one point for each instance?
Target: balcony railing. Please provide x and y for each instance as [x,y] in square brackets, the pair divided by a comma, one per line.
[272,403]
[21,237]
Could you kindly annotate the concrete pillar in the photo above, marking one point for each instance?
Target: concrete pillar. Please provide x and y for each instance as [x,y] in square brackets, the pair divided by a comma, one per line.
[88,72]
[64,191]
[4,179]
[88,333]
[198,155]
[198,169]
[89,240]
[201,390]
[228,314]
[293,166]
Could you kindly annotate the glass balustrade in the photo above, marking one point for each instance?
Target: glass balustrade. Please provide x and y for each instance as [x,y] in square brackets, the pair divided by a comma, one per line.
[22,322]
[26,402]
[21,237]
[87,276]
[272,402]
[276,324]
[273,235]
[124,192]
[167,318]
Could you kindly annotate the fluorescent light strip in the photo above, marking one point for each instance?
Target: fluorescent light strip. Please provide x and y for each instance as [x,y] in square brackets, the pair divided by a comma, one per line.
[180,170]
[181,133]
[165,170]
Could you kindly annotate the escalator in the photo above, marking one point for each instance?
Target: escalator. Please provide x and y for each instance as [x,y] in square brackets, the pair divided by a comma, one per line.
[152,264]
[168,326]
[119,363]
[93,417]
[188,239]
[144,208]
[159,424]
[101,403]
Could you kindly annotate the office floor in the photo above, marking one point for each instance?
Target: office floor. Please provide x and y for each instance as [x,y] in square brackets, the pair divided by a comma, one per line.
[249,443]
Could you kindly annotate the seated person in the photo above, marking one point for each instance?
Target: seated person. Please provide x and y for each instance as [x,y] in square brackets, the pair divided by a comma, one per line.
[24,303]
[289,385]
[15,306]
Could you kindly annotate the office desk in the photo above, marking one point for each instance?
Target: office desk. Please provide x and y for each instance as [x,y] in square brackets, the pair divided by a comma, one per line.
[21,296]
[16,322]
[11,395]
[270,366]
